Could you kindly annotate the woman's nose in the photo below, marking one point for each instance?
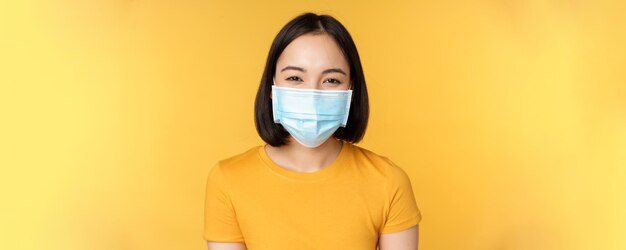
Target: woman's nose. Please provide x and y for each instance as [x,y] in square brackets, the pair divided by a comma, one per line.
[315,84]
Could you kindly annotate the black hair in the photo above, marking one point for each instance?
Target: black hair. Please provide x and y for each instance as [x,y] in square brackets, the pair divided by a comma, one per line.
[274,133]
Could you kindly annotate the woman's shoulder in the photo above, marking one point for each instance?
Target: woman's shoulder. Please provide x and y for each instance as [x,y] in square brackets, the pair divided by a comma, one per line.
[395,177]
[383,163]
[243,158]
[364,154]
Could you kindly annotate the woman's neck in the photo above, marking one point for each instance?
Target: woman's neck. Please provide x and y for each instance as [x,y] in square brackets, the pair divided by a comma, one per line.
[296,157]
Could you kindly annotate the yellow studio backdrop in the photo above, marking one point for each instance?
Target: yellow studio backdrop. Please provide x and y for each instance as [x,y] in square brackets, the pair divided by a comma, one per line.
[509,116]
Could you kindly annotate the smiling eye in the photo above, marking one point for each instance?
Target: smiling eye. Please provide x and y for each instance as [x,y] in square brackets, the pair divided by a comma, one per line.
[293,78]
[332,80]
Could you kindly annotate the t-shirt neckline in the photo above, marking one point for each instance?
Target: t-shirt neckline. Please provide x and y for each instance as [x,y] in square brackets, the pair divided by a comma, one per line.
[324,173]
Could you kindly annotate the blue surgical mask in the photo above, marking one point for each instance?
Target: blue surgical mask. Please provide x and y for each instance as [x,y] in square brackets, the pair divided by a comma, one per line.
[311,116]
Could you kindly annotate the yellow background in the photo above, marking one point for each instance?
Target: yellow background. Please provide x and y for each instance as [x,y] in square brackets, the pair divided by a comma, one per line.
[509,116]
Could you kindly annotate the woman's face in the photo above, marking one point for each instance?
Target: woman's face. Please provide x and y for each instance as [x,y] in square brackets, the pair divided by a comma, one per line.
[313,61]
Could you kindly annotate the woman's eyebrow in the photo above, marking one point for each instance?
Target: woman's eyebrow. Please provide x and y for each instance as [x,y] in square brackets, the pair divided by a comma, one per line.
[293,68]
[334,70]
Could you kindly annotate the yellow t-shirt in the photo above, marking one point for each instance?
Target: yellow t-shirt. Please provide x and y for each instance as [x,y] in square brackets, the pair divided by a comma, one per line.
[345,205]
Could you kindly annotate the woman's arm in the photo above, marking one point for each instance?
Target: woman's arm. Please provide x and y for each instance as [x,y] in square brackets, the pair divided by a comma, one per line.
[226,245]
[403,240]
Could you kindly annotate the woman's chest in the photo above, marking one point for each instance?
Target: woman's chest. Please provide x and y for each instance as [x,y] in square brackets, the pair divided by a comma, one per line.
[327,215]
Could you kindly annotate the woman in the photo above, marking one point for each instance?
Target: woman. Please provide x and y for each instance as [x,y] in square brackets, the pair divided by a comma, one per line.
[310,187]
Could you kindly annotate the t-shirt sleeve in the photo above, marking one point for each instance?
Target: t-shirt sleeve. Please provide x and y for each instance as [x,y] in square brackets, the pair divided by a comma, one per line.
[220,222]
[403,212]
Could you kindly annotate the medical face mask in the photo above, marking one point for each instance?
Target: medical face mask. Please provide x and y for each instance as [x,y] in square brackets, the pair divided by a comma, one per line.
[311,116]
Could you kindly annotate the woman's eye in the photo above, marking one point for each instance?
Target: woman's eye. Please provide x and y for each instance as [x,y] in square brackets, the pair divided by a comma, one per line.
[333,81]
[293,78]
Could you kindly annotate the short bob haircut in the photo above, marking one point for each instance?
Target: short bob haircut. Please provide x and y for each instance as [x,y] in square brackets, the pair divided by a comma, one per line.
[274,133]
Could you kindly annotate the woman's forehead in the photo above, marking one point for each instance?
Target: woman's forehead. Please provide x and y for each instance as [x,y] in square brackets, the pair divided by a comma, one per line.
[313,52]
